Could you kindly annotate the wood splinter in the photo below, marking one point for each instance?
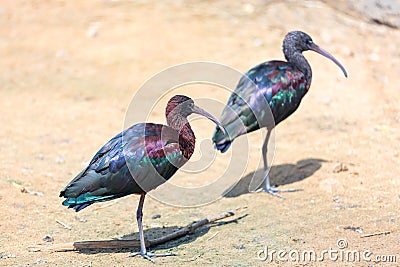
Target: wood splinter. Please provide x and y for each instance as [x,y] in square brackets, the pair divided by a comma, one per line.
[375,234]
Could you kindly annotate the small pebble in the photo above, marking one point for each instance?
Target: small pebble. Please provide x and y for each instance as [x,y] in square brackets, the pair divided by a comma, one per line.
[340,167]
[355,229]
[59,160]
[258,42]
[346,51]
[373,57]
[80,219]
[326,100]
[156,216]
[240,247]
[92,31]
[6,256]
[48,238]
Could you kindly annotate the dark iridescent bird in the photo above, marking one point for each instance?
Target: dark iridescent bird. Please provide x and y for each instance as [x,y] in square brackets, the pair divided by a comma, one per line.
[136,161]
[278,84]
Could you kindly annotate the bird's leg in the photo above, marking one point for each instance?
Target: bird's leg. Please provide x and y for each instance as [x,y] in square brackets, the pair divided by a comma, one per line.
[143,252]
[267,186]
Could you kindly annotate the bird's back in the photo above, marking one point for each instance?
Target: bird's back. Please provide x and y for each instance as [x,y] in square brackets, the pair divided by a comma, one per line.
[266,95]
[136,160]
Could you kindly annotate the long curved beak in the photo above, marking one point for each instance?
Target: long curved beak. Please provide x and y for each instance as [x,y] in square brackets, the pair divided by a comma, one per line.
[321,51]
[204,113]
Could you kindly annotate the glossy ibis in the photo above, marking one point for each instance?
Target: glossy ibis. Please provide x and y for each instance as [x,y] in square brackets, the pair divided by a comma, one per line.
[136,161]
[280,85]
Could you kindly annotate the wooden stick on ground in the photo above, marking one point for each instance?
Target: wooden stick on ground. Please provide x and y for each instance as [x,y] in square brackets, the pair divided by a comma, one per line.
[134,243]
[374,234]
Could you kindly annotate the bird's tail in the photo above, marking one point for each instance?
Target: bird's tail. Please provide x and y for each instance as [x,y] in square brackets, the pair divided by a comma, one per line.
[221,141]
[85,200]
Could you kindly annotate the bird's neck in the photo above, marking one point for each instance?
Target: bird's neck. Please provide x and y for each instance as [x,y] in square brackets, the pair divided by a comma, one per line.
[187,138]
[297,59]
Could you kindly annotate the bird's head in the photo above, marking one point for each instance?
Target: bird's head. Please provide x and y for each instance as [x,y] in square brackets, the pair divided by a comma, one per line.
[300,41]
[183,106]
[179,105]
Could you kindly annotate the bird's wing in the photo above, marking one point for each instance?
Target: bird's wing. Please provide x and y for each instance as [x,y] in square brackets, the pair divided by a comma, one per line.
[134,161]
[262,98]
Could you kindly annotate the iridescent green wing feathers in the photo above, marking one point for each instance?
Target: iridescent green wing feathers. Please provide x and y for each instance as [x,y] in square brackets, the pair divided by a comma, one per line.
[264,96]
[134,161]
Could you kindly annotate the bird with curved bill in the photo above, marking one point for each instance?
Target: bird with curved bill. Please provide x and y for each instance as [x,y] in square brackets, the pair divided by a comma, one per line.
[278,86]
[136,161]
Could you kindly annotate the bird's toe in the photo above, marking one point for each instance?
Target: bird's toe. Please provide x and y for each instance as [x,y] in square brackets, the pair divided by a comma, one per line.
[149,255]
[275,192]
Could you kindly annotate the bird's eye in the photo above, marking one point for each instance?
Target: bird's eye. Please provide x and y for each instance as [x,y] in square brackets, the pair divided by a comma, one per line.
[309,42]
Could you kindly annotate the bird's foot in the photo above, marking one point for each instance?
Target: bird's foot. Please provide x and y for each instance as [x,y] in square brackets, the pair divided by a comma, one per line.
[149,255]
[275,191]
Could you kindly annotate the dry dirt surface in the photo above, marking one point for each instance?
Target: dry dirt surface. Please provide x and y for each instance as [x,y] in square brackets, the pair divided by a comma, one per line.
[70,68]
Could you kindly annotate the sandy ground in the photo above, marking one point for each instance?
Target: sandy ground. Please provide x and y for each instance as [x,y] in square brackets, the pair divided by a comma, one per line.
[70,68]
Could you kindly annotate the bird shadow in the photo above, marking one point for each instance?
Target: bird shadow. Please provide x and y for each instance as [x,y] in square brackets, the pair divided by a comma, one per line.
[279,175]
[158,232]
